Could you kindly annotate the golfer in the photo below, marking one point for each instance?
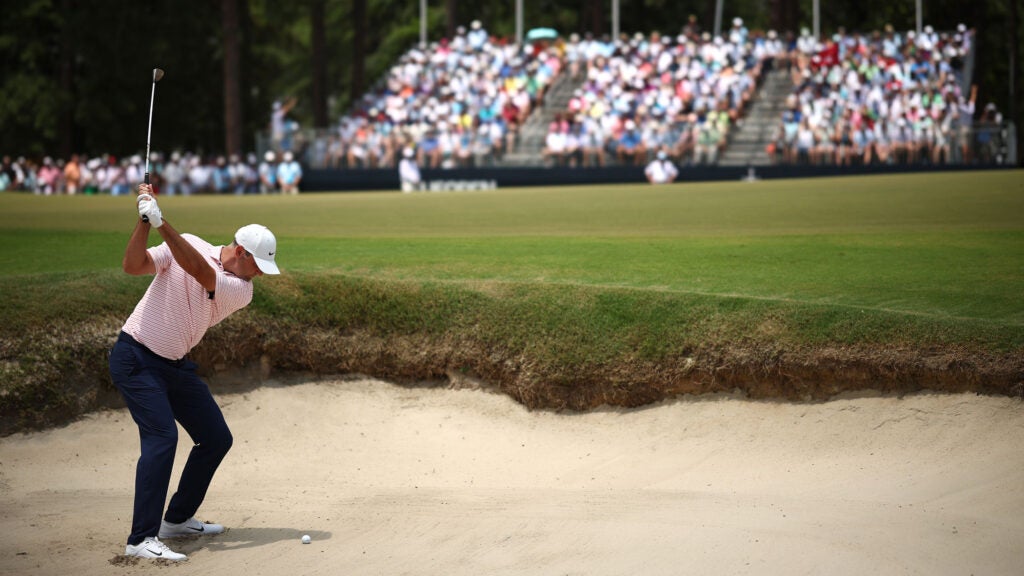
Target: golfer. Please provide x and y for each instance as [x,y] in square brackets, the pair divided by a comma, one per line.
[195,286]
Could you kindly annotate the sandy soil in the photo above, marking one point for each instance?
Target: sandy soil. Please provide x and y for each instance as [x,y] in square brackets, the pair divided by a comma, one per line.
[392,480]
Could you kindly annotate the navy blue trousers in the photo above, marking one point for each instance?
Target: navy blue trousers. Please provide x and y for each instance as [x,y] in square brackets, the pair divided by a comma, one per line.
[158,393]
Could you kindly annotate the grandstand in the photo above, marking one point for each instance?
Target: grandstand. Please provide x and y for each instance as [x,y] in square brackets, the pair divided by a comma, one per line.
[736,100]
[749,144]
[529,152]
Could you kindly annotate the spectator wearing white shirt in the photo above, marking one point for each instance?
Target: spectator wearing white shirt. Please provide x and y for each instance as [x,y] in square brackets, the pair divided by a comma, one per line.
[409,172]
[661,170]
[555,143]
[199,175]
[267,171]
[278,124]
[477,36]
[90,184]
[134,172]
[174,176]
[738,33]
[236,174]
[289,174]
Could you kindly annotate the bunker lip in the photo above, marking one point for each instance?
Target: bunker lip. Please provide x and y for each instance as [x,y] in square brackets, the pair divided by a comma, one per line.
[242,355]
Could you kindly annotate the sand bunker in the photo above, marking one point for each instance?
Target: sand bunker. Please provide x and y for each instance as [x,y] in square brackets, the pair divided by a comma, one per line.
[393,480]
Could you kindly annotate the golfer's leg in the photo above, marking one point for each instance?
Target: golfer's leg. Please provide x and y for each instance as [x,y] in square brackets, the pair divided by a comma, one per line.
[146,398]
[199,415]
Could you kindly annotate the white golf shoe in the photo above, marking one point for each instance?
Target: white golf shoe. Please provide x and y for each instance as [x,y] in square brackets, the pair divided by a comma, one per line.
[152,547]
[190,527]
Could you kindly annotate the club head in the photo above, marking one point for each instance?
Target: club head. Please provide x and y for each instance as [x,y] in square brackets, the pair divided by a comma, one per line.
[157,74]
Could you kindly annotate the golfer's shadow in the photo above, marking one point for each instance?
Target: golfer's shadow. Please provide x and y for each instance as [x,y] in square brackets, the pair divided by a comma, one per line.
[235,538]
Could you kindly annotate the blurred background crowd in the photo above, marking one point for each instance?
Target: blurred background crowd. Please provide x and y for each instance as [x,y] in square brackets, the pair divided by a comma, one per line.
[883,97]
[478,97]
[174,174]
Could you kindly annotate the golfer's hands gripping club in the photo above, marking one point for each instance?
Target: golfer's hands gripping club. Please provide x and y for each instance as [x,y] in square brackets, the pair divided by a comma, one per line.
[146,181]
[149,211]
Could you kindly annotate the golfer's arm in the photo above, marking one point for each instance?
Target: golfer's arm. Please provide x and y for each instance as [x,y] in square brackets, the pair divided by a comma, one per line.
[188,257]
[136,259]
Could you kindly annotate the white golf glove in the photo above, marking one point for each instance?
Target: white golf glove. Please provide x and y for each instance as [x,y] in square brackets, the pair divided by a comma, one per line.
[149,209]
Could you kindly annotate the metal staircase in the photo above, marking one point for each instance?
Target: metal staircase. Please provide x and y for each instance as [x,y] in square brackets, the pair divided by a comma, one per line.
[749,138]
[533,132]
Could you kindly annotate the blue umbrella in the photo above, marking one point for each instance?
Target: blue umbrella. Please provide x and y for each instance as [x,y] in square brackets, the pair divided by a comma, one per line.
[542,34]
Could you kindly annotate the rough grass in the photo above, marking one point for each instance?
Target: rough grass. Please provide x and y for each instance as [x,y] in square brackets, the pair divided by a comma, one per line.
[564,298]
[548,346]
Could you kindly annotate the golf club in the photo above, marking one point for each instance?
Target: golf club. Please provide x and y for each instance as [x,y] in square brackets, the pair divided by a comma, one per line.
[157,75]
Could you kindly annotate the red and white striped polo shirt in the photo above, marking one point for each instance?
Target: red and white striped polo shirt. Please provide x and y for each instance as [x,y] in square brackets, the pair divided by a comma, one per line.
[176,311]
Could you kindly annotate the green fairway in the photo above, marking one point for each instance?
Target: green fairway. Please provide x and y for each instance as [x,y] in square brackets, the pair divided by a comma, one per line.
[561,297]
[941,202]
[942,245]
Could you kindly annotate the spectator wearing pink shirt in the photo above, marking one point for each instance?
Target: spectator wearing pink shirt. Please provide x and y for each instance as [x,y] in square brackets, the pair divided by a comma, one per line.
[49,177]
[195,286]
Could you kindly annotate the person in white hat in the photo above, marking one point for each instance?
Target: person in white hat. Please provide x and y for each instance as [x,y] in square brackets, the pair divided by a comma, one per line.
[477,36]
[267,171]
[661,170]
[195,285]
[738,33]
[289,174]
[409,171]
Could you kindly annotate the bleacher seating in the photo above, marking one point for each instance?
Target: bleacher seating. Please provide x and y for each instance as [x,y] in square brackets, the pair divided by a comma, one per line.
[882,97]
[655,93]
[885,97]
[457,103]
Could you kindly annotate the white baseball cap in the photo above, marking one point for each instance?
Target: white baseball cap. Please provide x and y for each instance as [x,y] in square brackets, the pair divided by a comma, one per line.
[260,242]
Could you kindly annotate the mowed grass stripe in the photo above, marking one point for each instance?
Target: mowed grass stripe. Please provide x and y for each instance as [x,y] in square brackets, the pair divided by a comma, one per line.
[938,245]
[971,275]
[854,205]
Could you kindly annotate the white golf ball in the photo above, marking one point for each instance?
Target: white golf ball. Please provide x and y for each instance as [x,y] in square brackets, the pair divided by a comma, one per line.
[306,539]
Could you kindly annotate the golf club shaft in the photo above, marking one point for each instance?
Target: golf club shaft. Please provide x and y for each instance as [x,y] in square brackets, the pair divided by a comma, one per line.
[148,134]
[149,131]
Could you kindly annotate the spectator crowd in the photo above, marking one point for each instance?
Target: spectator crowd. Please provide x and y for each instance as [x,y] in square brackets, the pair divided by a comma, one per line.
[882,97]
[177,174]
[457,103]
[642,95]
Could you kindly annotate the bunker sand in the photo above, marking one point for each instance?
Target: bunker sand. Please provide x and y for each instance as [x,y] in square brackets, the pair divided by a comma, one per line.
[396,480]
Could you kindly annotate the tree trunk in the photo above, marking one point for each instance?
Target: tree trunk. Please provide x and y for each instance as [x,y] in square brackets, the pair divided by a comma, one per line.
[450,17]
[319,44]
[66,120]
[250,109]
[597,17]
[708,22]
[232,83]
[1014,77]
[358,85]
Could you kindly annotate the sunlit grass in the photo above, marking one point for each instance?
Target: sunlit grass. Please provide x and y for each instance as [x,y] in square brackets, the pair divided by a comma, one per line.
[859,257]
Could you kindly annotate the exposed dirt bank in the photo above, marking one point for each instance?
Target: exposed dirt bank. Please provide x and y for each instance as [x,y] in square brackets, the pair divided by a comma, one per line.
[54,377]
